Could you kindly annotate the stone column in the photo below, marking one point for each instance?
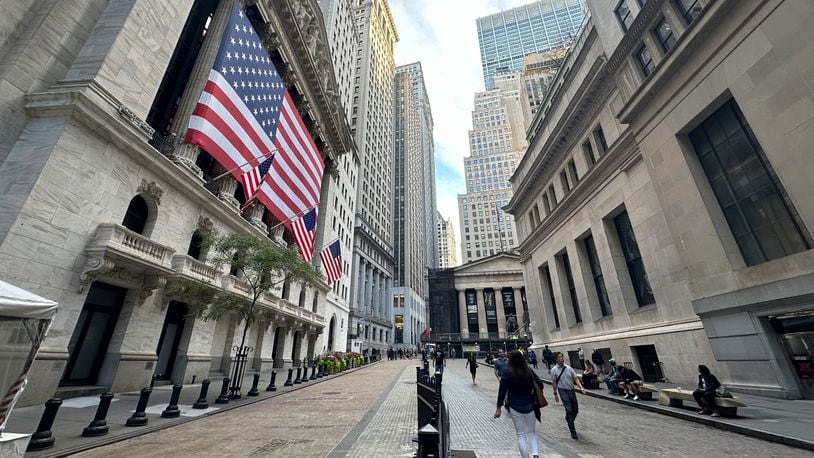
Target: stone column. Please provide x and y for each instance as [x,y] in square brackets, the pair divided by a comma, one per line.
[354,282]
[225,187]
[482,327]
[254,215]
[522,316]
[501,313]
[277,234]
[264,351]
[462,313]
[368,288]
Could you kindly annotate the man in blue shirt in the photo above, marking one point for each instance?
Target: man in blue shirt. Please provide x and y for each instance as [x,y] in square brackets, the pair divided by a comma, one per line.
[501,365]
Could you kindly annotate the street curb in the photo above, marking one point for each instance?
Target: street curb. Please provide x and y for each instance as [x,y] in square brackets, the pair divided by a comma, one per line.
[708,421]
[151,429]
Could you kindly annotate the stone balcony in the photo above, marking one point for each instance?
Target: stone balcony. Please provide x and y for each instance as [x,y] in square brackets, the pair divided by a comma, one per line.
[125,258]
[234,285]
[190,268]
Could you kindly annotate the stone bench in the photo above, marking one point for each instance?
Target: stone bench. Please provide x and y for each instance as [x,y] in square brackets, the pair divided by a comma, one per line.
[673,397]
[645,391]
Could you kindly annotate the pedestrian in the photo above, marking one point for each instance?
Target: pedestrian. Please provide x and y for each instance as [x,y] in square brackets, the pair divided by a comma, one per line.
[598,360]
[472,364]
[518,386]
[705,395]
[533,357]
[548,357]
[564,379]
[581,355]
[439,361]
[613,378]
[452,354]
[501,364]
[632,382]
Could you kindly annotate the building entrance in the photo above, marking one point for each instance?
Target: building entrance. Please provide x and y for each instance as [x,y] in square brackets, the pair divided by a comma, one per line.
[649,362]
[796,332]
[167,349]
[92,333]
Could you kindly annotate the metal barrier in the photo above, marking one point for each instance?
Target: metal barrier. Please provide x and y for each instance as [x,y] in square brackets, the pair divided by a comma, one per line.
[433,418]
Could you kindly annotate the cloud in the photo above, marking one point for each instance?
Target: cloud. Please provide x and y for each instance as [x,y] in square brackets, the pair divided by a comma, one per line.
[442,35]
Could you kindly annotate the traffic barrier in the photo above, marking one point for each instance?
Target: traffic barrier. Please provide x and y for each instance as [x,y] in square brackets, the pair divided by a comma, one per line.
[98,426]
[223,398]
[288,381]
[139,417]
[271,386]
[43,438]
[172,410]
[202,403]
[253,391]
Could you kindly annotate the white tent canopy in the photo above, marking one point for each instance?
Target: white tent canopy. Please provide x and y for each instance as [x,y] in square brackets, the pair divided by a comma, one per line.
[19,303]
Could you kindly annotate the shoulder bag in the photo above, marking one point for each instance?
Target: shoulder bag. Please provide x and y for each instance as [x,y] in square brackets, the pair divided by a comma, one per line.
[539,397]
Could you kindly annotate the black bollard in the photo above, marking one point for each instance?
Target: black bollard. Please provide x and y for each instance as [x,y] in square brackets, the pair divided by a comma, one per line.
[223,398]
[313,373]
[172,410]
[253,391]
[98,427]
[321,372]
[271,386]
[42,438]
[152,381]
[288,381]
[139,418]
[298,380]
[202,403]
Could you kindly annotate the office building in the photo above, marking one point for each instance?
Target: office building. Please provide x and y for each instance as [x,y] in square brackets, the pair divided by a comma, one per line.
[447,247]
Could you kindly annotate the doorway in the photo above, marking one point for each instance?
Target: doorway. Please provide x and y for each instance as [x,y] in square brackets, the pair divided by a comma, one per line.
[648,362]
[170,338]
[91,335]
[796,332]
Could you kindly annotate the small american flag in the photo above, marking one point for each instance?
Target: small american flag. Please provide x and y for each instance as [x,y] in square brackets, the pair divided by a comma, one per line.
[303,229]
[245,112]
[332,261]
[252,179]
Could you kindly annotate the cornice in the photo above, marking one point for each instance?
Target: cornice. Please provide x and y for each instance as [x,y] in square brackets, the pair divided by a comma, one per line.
[619,158]
[633,36]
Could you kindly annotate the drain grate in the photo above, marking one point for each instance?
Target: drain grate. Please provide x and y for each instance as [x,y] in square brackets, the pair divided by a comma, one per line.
[276,444]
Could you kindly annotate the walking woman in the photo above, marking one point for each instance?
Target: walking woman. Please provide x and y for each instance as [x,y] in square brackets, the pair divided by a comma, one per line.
[472,364]
[518,385]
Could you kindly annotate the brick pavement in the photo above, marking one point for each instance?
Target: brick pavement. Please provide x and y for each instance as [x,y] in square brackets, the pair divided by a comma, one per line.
[304,423]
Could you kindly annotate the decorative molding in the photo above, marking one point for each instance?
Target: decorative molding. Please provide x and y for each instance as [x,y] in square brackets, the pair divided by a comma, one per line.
[133,119]
[95,266]
[151,189]
[205,223]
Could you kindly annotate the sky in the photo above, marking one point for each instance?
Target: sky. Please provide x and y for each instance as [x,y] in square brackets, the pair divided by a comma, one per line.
[441,34]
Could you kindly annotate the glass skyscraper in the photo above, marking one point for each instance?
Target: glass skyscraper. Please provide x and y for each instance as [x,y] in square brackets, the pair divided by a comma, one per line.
[507,36]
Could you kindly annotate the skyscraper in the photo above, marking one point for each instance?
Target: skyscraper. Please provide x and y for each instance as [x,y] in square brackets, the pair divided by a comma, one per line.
[539,70]
[507,36]
[447,250]
[372,127]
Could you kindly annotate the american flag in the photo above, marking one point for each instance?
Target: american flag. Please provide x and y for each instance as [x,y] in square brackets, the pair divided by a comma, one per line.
[331,257]
[251,180]
[245,112]
[303,229]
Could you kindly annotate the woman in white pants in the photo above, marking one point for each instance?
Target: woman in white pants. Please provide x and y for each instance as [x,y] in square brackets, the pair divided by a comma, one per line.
[518,385]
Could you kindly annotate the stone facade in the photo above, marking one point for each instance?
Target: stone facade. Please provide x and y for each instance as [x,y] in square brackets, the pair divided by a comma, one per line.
[447,247]
[653,82]
[79,153]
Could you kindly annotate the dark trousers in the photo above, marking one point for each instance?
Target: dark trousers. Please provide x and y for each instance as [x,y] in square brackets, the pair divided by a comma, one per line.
[569,401]
[705,399]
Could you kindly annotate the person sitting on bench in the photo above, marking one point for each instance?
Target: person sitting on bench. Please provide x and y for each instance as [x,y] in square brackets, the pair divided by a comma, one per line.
[706,392]
[632,382]
[589,378]
[613,378]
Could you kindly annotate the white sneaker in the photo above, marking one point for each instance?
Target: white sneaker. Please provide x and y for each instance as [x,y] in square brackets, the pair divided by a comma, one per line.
[627,396]
[635,398]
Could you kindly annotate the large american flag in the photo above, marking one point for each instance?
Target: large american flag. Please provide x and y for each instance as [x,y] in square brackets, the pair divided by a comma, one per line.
[304,229]
[245,113]
[331,257]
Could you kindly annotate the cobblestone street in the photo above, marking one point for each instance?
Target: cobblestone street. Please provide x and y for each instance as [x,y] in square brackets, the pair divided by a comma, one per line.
[373,413]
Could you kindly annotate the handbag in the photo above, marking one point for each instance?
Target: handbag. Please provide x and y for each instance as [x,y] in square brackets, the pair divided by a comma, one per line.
[539,397]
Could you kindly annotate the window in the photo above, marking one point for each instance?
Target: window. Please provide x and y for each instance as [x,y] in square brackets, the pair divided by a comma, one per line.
[195,246]
[546,274]
[760,215]
[665,35]
[572,169]
[135,218]
[690,9]
[596,273]
[588,152]
[624,15]
[599,139]
[645,61]
[633,259]
[572,289]
[566,186]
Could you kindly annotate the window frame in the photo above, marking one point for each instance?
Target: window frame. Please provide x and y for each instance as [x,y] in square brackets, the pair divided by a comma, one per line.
[572,286]
[625,27]
[660,39]
[646,68]
[597,275]
[686,12]
[634,262]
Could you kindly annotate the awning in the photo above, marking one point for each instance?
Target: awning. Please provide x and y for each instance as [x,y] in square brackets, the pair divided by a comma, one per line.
[19,303]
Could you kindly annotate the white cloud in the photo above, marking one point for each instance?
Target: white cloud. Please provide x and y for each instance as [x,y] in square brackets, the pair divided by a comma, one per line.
[442,35]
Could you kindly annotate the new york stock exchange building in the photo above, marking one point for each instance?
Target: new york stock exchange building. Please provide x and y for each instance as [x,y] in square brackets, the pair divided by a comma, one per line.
[102,202]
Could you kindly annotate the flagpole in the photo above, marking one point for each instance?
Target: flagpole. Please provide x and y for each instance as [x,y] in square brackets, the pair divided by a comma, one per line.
[229,172]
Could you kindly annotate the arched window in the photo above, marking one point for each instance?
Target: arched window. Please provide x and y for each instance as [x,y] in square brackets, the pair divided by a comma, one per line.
[301,302]
[137,214]
[331,330]
[195,250]
[315,304]
[286,290]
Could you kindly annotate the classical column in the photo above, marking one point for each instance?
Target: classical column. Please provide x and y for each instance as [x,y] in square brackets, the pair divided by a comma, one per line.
[368,288]
[354,282]
[482,326]
[501,314]
[375,289]
[225,187]
[254,215]
[185,153]
[277,234]
[462,313]
[522,315]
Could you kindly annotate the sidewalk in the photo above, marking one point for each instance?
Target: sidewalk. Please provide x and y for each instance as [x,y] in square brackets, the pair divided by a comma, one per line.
[75,414]
[776,420]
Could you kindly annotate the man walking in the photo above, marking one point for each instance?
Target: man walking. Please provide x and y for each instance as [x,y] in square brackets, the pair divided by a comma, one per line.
[501,365]
[439,362]
[548,358]
[564,378]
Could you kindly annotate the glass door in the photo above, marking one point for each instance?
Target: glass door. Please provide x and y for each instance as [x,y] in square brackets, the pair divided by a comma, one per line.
[170,338]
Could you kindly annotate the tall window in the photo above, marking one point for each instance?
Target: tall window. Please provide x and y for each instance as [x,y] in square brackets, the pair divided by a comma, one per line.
[664,33]
[566,186]
[572,169]
[599,139]
[596,273]
[588,152]
[195,246]
[549,287]
[572,289]
[624,15]
[135,218]
[763,220]
[645,61]
[690,9]
[633,259]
